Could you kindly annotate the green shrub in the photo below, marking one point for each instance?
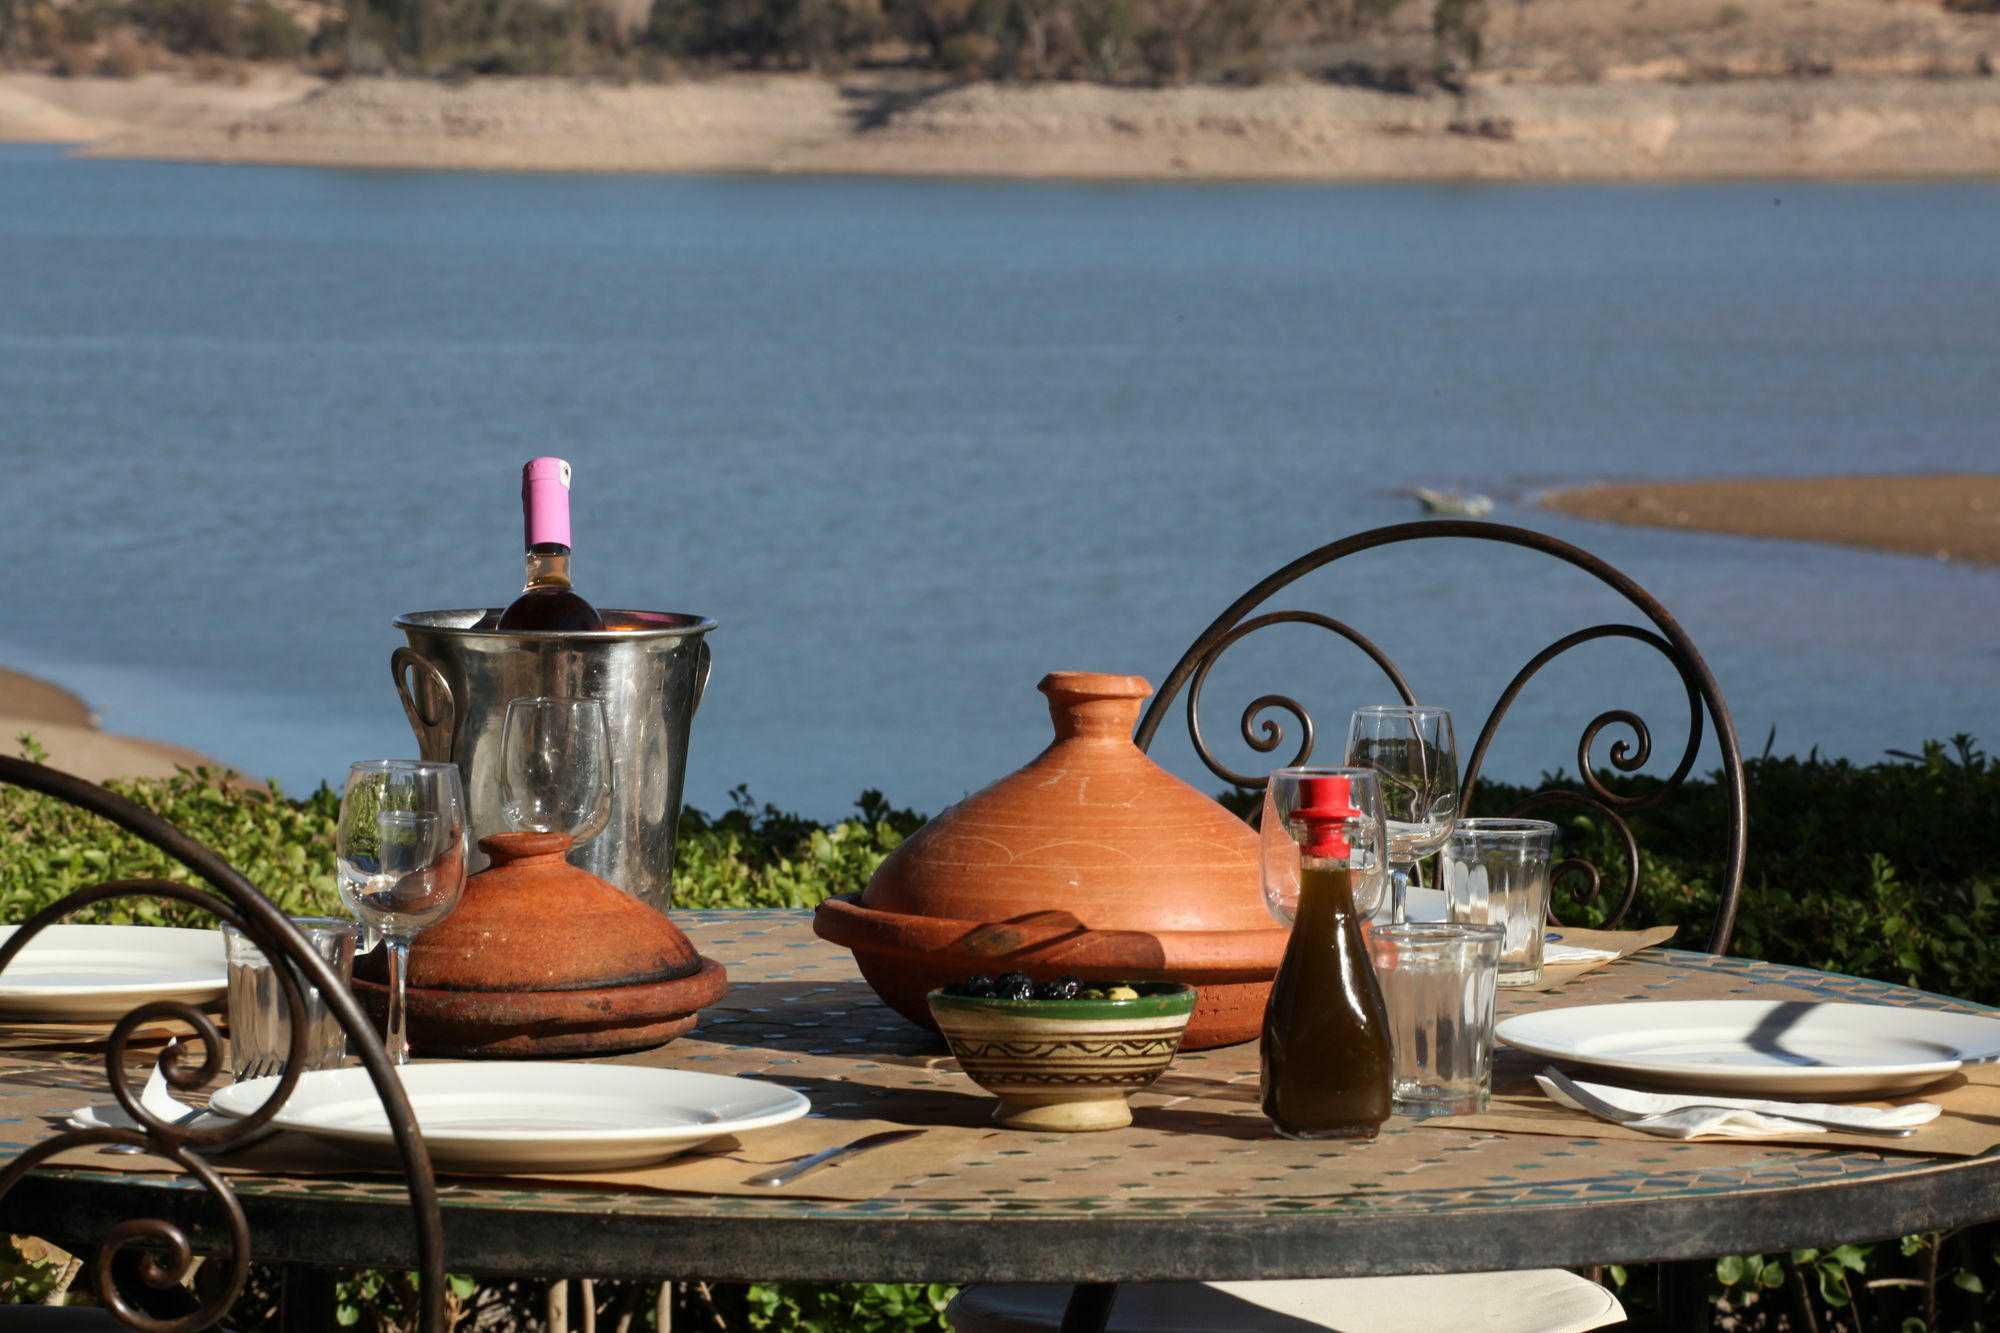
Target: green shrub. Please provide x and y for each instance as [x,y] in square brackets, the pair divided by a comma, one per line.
[192,27]
[1886,870]
[269,33]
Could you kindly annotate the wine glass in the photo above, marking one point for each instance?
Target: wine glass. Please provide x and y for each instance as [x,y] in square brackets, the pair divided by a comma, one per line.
[401,847]
[555,767]
[1284,793]
[1413,750]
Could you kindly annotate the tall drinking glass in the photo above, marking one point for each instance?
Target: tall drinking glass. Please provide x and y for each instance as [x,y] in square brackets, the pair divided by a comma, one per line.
[555,767]
[1411,746]
[401,845]
[1283,794]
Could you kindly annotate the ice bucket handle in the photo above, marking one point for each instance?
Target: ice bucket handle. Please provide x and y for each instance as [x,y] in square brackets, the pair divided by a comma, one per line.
[428,704]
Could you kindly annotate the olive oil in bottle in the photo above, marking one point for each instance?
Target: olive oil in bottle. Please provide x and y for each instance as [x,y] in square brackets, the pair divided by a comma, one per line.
[1325,1053]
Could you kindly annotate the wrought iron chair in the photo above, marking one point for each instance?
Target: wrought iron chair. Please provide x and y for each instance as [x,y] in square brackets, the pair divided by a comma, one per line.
[1546,1300]
[234,900]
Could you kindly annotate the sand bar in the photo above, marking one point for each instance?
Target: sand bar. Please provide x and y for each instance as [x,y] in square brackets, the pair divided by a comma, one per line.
[1944,517]
[65,727]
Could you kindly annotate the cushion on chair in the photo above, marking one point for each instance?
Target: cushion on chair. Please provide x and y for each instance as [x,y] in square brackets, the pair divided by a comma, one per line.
[1543,1300]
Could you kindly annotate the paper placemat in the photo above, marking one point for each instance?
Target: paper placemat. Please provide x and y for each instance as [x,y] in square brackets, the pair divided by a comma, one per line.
[1617,943]
[719,1167]
[1969,1125]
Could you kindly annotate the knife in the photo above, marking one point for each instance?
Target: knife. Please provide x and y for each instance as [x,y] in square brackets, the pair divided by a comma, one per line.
[787,1174]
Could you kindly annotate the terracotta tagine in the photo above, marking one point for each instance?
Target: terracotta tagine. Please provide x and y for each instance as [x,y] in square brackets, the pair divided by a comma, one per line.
[1091,860]
[543,958]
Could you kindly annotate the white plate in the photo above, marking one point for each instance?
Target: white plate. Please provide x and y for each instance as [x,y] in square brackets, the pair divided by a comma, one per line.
[497,1116]
[1802,1048]
[70,972]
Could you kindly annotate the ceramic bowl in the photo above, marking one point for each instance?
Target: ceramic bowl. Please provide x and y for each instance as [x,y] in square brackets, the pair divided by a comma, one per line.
[1065,1064]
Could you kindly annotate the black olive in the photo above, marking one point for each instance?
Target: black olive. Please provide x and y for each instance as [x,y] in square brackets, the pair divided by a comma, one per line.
[1065,989]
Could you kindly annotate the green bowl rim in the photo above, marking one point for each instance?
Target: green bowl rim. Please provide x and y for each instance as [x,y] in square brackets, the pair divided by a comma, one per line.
[1180,1000]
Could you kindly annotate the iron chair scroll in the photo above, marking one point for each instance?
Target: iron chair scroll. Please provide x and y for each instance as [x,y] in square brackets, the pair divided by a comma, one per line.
[1265,735]
[1432,1304]
[237,902]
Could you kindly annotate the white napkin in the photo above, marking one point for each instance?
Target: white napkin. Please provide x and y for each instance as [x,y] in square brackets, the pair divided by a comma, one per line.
[1553,952]
[1745,1117]
[156,1097]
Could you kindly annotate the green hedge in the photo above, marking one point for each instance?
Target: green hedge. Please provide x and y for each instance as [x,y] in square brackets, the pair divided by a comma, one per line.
[1885,870]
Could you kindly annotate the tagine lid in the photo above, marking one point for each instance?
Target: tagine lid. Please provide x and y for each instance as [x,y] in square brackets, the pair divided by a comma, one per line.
[531,921]
[1090,826]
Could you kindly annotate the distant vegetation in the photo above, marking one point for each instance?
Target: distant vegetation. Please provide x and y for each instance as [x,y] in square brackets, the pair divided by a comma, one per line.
[1144,41]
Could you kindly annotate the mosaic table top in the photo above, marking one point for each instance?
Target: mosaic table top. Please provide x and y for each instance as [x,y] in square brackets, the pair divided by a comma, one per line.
[1197,1186]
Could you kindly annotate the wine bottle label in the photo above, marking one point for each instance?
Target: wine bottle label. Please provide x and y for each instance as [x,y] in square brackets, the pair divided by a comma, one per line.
[545,501]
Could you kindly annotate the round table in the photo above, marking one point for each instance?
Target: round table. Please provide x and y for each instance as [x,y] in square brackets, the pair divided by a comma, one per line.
[1197,1188]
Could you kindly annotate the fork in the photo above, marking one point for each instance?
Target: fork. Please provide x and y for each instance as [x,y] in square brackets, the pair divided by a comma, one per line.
[187,1117]
[1617,1115]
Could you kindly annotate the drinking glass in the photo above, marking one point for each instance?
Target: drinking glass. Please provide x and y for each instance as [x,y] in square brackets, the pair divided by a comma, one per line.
[1497,871]
[1282,796]
[555,767]
[260,1019]
[401,845]
[1412,748]
[1440,982]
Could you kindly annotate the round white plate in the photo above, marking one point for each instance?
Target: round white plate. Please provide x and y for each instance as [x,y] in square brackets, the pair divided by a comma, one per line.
[69,972]
[1803,1049]
[502,1116]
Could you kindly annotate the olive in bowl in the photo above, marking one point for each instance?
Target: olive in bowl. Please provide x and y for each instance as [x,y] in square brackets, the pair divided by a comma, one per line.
[1063,1063]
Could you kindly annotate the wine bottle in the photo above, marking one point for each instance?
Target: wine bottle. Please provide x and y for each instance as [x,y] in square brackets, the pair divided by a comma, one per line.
[1325,1053]
[547,601]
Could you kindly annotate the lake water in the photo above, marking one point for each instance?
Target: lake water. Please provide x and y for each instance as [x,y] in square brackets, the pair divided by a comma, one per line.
[914,443]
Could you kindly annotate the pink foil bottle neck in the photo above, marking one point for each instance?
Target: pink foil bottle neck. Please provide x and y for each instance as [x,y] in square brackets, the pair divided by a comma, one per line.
[545,501]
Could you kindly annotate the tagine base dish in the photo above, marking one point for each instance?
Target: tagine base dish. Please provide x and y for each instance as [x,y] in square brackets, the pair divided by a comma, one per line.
[602,1021]
[904,957]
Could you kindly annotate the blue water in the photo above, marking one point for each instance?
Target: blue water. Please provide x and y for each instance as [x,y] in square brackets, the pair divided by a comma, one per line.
[914,443]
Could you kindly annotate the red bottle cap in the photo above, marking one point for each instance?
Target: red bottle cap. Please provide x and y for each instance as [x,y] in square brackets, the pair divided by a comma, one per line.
[1327,805]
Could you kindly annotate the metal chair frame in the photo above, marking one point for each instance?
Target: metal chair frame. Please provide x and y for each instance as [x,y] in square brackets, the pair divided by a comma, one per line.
[1265,734]
[236,901]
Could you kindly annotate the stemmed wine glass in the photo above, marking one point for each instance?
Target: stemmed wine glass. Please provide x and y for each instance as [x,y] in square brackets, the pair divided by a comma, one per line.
[401,845]
[1413,749]
[555,767]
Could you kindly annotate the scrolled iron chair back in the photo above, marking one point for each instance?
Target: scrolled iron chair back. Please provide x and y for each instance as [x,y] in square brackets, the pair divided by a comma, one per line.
[1265,734]
[237,902]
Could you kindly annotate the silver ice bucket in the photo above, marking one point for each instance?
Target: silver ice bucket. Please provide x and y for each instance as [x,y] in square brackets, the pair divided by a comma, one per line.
[647,667]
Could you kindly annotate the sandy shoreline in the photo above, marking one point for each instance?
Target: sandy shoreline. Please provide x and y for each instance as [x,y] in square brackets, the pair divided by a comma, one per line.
[64,726]
[1944,517]
[1847,127]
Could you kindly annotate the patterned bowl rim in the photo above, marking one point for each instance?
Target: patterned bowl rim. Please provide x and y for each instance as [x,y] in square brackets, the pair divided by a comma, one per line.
[1168,999]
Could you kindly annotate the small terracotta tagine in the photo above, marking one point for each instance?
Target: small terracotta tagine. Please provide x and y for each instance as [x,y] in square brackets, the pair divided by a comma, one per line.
[543,958]
[1091,860]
